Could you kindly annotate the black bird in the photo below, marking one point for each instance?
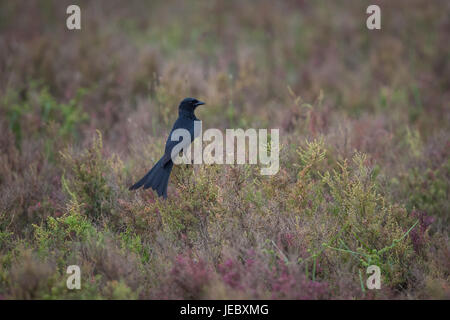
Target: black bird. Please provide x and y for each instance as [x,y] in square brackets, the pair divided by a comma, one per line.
[158,176]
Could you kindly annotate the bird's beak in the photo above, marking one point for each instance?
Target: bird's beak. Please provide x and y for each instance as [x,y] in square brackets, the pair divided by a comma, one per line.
[199,103]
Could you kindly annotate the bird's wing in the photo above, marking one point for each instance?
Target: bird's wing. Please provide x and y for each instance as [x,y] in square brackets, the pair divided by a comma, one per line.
[181,123]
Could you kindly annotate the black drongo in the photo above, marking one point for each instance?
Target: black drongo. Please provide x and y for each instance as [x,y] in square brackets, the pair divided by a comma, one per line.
[158,176]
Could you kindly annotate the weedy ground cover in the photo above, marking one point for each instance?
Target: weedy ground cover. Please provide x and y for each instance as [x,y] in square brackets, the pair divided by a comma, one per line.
[364,157]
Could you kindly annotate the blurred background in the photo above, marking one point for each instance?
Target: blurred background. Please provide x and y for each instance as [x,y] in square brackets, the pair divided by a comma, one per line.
[310,68]
[135,60]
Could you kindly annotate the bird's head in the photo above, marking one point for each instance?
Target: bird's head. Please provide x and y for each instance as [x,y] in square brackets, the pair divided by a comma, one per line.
[190,104]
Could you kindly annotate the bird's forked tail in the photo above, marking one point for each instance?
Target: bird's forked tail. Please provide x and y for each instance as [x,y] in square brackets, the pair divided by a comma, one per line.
[157,178]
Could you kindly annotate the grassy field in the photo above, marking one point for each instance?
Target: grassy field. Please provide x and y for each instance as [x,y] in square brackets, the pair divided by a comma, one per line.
[364,163]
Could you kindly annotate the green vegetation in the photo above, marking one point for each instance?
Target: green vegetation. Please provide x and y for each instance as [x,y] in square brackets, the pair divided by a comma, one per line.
[364,162]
